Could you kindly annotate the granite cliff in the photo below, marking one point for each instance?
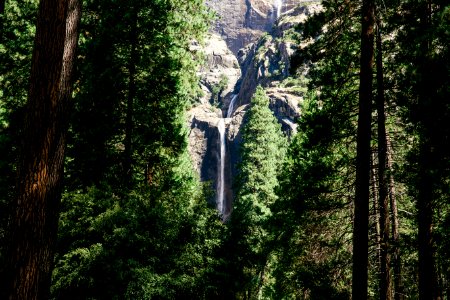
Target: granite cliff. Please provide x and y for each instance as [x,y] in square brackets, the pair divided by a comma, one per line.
[250,45]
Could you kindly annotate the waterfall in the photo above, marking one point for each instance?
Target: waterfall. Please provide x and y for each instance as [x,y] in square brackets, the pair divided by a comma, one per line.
[290,124]
[231,106]
[279,6]
[221,179]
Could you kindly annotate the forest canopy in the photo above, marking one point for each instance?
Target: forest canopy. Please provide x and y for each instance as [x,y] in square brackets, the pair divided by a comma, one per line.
[344,196]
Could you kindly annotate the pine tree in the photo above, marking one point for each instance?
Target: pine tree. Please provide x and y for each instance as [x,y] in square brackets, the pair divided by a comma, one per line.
[149,234]
[262,151]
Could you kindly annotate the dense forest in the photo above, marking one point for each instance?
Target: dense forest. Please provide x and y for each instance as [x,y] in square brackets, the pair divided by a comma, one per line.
[99,196]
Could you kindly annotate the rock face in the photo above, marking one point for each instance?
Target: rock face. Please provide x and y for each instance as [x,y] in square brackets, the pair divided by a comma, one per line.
[220,73]
[250,46]
[204,148]
[242,22]
[268,60]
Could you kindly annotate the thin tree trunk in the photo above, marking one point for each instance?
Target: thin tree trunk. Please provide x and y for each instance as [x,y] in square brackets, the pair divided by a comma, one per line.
[131,95]
[2,18]
[34,221]
[361,214]
[396,259]
[375,206]
[385,274]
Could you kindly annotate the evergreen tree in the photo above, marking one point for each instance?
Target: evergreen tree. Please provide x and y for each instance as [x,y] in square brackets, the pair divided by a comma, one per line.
[262,151]
[317,190]
[311,225]
[425,66]
[150,243]
[140,213]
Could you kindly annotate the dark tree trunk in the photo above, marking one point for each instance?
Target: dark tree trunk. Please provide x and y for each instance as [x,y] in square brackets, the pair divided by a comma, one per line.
[2,18]
[375,197]
[131,95]
[35,218]
[361,215]
[385,274]
[427,274]
[396,258]
[427,164]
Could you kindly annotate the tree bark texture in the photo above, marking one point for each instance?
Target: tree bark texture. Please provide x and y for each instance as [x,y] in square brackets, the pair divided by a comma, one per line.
[35,218]
[396,258]
[362,185]
[385,260]
[131,95]
[376,214]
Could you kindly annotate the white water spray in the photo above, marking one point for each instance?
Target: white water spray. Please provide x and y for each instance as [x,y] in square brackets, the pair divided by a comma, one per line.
[279,6]
[221,179]
[231,106]
[291,124]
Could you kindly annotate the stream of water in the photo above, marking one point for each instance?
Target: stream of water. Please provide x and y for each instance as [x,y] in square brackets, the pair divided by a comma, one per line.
[279,6]
[221,201]
[231,106]
[221,179]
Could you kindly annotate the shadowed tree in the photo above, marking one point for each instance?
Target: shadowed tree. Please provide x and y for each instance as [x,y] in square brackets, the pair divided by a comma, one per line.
[385,275]
[2,11]
[35,215]
[361,216]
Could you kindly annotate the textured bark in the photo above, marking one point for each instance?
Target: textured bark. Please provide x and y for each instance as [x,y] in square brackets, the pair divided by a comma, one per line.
[396,258]
[131,95]
[374,186]
[385,268]
[362,193]
[35,218]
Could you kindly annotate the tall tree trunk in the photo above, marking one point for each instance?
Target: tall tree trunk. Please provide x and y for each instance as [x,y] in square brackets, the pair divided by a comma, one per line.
[131,95]
[427,274]
[2,18]
[396,259]
[375,207]
[427,164]
[385,274]
[35,218]
[361,214]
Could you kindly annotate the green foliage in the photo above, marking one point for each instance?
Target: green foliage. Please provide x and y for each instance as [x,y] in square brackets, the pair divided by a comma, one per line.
[148,234]
[262,151]
[319,169]
[165,84]
[16,42]
[297,85]
[311,225]
[424,106]
[145,244]
[217,89]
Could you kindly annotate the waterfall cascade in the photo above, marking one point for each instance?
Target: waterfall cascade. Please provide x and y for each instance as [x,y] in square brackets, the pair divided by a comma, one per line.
[231,106]
[221,173]
[279,6]
[290,124]
[221,201]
